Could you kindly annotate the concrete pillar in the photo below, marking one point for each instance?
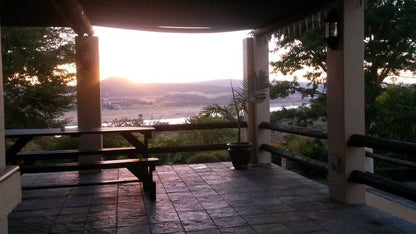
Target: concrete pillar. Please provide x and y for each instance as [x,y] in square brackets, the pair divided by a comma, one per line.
[10,185]
[256,74]
[346,104]
[2,140]
[88,93]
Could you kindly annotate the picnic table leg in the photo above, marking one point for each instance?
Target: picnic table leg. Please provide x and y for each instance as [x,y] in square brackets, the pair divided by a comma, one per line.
[147,136]
[149,186]
[145,174]
[140,147]
[152,191]
[16,147]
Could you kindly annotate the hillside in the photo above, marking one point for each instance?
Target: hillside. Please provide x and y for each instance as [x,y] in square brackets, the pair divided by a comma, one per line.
[122,98]
[121,93]
[122,87]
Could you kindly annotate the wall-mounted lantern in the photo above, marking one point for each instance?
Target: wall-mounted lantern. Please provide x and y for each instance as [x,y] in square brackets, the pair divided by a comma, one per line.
[332,31]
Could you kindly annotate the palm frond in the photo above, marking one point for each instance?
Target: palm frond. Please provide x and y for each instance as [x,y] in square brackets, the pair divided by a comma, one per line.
[221,110]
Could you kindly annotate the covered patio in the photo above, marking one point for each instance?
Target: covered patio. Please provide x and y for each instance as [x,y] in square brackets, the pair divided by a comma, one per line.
[196,198]
[210,198]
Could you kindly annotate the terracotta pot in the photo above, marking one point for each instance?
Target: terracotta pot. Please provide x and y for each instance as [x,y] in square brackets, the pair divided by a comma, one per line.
[240,154]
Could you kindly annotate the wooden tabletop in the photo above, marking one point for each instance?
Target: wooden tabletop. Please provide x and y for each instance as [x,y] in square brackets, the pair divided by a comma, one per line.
[73,131]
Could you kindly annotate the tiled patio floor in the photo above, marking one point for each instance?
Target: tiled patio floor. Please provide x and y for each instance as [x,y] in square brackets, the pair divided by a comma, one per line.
[202,198]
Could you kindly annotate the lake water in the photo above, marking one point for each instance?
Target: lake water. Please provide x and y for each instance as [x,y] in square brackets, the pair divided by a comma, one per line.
[174,115]
[182,120]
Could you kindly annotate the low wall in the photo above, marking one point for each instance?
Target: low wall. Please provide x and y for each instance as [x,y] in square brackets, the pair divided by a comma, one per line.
[392,204]
[10,193]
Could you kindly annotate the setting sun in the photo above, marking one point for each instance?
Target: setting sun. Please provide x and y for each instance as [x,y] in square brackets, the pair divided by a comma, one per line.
[168,57]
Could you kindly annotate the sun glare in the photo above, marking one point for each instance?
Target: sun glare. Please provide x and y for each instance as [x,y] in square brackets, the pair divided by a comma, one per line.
[170,57]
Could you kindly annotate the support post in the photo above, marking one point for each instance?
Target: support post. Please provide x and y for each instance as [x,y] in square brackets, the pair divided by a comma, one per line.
[346,104]
[10,185]
[88,93]
[256,74]
[2,138]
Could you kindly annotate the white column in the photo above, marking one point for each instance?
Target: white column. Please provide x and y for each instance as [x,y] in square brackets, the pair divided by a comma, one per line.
[256,74]
[10,186]
[88,93]
[346,104]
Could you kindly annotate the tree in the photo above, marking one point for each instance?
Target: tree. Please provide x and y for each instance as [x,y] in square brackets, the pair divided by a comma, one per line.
[395,114]
[304,115]
[305,50]
[390,47]
[35,76]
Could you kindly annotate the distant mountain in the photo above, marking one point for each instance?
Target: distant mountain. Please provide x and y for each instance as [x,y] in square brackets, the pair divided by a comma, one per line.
[122,93]
[222,83]
[123,87]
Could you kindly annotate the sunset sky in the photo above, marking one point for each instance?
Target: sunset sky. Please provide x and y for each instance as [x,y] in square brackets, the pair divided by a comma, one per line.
[168,57]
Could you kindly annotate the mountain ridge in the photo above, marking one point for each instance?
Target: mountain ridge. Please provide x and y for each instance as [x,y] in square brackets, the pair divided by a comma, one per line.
[123,87]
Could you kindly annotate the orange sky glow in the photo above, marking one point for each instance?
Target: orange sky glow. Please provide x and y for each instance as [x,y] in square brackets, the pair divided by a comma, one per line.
[168,57]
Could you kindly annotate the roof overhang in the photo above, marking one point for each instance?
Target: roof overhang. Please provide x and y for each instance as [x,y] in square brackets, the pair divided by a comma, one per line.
[162,15]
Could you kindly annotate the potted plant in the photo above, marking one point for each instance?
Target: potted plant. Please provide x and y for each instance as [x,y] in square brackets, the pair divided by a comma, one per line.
[240,152]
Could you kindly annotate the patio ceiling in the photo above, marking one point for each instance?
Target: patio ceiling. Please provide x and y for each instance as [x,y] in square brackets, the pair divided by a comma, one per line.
[164,15]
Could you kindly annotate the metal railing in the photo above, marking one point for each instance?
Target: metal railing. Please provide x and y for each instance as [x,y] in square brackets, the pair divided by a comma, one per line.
[408,168]
[73,154]
[199,126]
[376,181]
[317,164]
[322,166]
[391,160]
[297,131]
[382,144]
[383,183]
[358,141]
[189,127]
[7,172]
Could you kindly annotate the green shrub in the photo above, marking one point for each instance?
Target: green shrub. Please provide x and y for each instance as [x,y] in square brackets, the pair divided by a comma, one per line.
[222,156]
[207,157]
[56,142]
[308,147]
[202,158]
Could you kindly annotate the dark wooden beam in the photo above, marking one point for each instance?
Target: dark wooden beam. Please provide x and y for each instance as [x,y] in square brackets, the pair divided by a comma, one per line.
[74,14]
[297,131]
[83,184]
[187,148]
[198,126]
[322,166]
[382,144]
[384,184]
[391,159]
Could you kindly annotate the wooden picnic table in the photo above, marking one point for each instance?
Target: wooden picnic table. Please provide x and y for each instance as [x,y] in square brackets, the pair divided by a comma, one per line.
[141,167]
[25,135]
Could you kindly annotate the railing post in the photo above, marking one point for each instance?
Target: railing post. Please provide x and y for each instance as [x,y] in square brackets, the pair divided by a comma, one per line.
[283,162]
[369,162]
[255,73]
[346,103]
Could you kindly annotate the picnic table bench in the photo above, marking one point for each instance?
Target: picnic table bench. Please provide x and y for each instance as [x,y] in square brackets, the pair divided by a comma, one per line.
[142,167]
